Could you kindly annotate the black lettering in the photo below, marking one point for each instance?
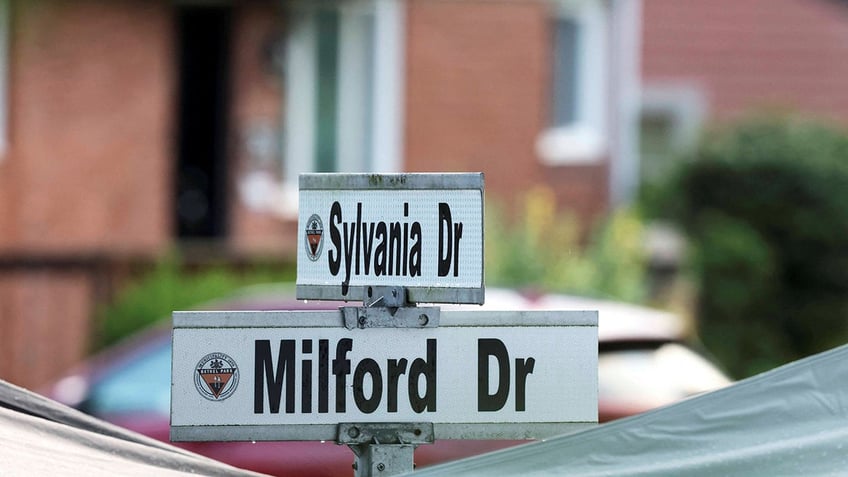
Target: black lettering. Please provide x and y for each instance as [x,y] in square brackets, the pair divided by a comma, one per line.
[370,367]
[522,369]
[264,373]
[456,236]
[341,368]
[445,243]
[396,369]
[486,348]
[394,249]
[358,233]
[380,252]
[348,249]
[323,375]
[397,250]
[306,378]
[415,252]
[367,243]
[405,238]
[334,256]
[427,369]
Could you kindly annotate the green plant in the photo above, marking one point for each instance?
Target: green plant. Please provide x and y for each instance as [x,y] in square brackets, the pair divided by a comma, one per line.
[168,287]
[765,204]
[541,249]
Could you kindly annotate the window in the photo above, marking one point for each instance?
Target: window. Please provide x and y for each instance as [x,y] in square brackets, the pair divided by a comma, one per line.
[670,118]
[576,131]
[656,144]
[566,48]
[335,120]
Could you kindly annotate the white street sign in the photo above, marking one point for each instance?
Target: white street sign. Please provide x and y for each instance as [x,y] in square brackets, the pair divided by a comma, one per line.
[289,375]
[423,232]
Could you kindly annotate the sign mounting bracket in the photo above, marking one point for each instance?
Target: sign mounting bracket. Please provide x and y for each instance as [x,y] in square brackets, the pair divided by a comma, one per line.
[384,448]
[387,307]
[402,433]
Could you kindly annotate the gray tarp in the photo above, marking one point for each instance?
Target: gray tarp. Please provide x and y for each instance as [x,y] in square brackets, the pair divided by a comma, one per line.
[792,420]
[41,437]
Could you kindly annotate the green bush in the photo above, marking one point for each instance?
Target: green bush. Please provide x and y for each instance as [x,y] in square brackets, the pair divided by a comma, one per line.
[542,249]
[765,204]
[170,286]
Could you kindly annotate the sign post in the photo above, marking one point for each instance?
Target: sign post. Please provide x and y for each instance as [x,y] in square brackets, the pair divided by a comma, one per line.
[389,375]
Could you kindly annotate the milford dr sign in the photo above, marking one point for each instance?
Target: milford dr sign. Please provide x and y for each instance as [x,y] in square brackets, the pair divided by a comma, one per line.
[295,375]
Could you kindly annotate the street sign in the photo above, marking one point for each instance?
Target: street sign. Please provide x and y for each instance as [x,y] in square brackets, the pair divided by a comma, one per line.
[388,376]
[301,375]
[422,232]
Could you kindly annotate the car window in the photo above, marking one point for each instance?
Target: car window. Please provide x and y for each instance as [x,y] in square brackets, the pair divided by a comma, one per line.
[140,386]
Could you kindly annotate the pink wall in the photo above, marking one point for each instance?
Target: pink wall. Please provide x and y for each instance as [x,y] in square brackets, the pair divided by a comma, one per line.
[784,53]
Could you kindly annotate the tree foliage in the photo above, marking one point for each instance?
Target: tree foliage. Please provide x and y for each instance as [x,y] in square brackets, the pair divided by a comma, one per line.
[765,204]
[543,249]
[171,286]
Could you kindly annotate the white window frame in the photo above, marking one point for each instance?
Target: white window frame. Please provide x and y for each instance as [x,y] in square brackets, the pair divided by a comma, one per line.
[684,104]
[386,124]
[584,140]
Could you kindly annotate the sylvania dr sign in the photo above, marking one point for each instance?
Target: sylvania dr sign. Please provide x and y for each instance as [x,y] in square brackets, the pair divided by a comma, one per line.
[423,232]
[392,242]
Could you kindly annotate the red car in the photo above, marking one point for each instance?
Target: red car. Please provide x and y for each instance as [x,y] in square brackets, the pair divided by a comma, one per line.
[643,362]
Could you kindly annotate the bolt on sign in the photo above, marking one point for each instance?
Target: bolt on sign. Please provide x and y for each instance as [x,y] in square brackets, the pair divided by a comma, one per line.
[297,375]
[423,232]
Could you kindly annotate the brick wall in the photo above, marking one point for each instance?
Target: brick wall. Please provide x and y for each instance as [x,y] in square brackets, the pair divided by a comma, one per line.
[784,53]
[91,98]
[88,171]
[92,102]
[5,206]
[477,92]
[257,100]
[45,319]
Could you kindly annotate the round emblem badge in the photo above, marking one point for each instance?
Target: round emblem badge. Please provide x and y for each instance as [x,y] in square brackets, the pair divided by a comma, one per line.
[314,237]
[216,376]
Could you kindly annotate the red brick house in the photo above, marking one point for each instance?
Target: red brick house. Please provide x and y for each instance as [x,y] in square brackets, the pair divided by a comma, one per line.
[704,61]
[128,127]
[133,126]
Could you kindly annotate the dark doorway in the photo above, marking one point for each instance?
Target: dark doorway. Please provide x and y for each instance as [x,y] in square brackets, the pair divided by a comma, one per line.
[204,59]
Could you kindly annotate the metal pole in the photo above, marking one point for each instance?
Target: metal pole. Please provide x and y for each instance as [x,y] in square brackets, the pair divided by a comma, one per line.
[378,460]
[384,449]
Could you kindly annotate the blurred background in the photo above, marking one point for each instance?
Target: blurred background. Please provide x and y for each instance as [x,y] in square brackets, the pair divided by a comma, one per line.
[682,154]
